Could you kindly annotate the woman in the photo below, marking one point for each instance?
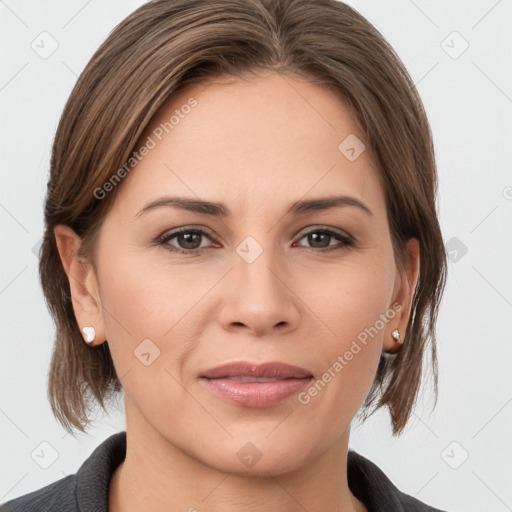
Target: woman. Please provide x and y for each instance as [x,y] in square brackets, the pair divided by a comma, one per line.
[241,235]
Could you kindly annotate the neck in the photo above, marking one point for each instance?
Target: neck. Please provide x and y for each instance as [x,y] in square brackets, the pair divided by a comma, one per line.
[158,476]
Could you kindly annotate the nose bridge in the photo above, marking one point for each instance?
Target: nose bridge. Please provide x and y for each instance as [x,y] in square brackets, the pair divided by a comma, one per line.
[256,262]
[258,296]
[258,255]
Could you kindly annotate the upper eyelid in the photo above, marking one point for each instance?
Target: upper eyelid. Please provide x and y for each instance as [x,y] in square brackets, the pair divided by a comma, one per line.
[310,229]
[174,232]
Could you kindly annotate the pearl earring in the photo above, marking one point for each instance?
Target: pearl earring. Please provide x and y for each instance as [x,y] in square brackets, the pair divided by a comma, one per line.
[89,333]
[396,336]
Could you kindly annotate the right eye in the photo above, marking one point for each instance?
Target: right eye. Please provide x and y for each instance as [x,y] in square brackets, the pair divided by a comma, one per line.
[188,240]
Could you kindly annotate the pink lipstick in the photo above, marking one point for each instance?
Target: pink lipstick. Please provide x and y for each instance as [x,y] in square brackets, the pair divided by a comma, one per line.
[255,385]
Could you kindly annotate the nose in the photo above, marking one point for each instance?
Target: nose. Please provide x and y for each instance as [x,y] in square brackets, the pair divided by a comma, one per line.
[259,296]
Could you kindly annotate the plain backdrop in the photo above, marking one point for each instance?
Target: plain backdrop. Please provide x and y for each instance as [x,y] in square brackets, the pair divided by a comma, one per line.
[457,458]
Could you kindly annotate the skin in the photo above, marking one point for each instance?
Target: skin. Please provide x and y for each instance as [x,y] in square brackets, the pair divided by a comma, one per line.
[256,145]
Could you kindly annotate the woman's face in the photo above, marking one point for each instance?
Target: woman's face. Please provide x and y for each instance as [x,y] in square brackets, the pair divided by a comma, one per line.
[315,288]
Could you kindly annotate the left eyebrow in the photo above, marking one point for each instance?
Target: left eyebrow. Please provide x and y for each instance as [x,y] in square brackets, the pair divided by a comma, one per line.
[325,203]
[220,209]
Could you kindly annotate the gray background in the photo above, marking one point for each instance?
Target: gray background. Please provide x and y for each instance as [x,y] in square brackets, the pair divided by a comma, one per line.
[457,458]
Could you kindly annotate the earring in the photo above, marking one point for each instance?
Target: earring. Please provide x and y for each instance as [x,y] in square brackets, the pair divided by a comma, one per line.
[396,336]
[89,333]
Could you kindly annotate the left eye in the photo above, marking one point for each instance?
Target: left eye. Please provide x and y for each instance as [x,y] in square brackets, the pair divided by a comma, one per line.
[318,237]
[189,240]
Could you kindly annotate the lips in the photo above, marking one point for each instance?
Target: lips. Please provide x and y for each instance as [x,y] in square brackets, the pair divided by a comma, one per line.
[255,385]
[270,370]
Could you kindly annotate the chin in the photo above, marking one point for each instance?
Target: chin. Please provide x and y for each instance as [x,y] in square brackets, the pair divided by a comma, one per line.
[265,466]
[259,454]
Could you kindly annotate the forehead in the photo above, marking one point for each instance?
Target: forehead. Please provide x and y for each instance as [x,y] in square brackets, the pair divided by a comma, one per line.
[271,137]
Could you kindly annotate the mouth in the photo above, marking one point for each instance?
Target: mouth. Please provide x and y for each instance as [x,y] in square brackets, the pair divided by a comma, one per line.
[248,378]
[255,385]
[270,370]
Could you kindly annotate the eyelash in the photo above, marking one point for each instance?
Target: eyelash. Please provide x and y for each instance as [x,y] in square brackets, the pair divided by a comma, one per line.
[164,239]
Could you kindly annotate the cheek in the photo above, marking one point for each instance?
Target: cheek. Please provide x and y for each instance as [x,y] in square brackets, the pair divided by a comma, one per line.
[354,306]
[142,296]
[352,299]
[153,315]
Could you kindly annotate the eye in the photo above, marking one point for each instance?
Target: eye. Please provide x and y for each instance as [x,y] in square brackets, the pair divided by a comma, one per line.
[188,240]
[321,239]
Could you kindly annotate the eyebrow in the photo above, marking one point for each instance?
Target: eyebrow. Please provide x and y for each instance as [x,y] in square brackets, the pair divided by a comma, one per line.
[220,210]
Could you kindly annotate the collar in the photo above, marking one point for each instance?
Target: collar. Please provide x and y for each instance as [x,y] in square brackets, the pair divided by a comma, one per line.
[366,481]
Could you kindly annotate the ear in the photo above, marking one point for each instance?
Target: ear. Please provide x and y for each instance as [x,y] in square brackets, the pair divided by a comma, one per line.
[405,286]
[83,283]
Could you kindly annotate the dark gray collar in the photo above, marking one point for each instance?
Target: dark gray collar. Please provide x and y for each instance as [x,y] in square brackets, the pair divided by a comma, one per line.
[366,481]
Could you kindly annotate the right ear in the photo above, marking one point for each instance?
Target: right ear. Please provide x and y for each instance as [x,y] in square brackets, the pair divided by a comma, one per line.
[83,283]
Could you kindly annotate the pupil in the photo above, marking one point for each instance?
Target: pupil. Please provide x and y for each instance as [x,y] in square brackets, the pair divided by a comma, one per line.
[316,236]
[189,240]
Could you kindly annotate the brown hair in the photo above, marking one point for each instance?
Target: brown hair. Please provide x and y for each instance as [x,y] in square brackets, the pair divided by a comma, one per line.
[165,45]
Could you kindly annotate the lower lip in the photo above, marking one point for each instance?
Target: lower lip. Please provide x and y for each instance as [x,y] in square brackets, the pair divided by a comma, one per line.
[255,394]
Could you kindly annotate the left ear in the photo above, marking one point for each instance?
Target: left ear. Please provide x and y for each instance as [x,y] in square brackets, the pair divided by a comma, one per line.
[405,286]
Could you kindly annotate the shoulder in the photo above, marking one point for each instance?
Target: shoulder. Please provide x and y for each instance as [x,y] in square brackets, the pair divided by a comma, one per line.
[370,485]
[85,490]
[59,495]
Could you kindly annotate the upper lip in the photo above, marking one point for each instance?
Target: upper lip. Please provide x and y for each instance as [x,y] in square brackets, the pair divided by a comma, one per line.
[273,369]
